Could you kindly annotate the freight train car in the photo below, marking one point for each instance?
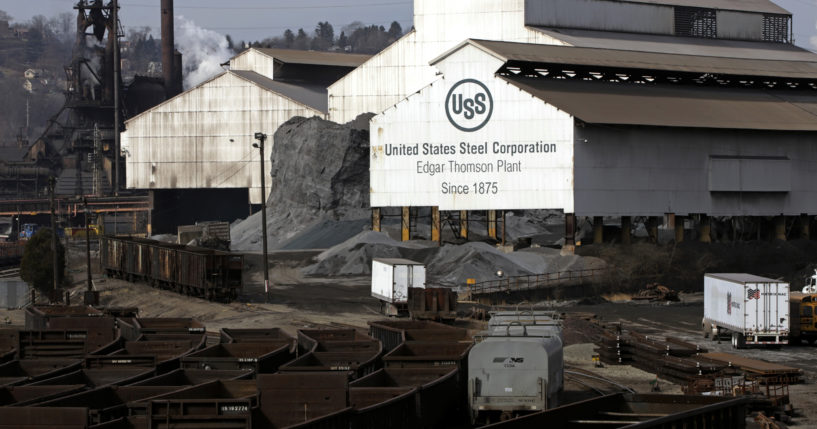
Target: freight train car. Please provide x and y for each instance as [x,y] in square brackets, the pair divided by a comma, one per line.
[515,367]
[195,271]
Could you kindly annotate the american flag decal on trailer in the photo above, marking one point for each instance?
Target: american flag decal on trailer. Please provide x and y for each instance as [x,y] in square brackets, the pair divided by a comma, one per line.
[753,294]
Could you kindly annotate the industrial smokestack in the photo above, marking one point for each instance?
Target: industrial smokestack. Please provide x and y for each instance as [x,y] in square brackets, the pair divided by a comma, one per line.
[172,86]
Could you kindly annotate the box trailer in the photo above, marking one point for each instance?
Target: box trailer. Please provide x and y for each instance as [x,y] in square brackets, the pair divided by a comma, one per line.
[753,309]
[391,280]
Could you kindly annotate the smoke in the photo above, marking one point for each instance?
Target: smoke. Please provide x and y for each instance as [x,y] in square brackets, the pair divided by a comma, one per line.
[203,51]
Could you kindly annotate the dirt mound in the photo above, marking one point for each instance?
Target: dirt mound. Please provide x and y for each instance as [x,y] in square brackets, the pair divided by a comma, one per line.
[320,175]
[682,267]
[450,265]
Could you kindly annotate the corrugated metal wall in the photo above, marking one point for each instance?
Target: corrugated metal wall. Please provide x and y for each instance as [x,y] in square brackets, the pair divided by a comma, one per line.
[253,60]
[604,15]
[649,171]
[14,293]
[403,68]
[203,138]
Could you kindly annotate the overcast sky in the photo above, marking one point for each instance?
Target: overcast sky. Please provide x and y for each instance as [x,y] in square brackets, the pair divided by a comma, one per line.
[258,19]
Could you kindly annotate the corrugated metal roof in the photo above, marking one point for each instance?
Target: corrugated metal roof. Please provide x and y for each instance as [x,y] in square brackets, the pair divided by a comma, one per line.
[762,6]
[293,56]
[679,45]
[615,58]
[311,96]
[743,278]
[676,106]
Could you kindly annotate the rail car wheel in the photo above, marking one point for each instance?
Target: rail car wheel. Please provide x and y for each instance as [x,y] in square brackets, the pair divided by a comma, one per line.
[505,416]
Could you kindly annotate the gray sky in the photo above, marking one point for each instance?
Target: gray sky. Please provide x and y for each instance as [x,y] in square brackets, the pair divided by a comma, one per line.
[257,19]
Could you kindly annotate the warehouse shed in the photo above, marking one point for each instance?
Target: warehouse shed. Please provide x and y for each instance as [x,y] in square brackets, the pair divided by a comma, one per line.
[723,28]
[202,138]
[601,132]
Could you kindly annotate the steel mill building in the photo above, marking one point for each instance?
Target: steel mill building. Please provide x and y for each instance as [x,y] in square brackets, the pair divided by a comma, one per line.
[647,109]
[655,109]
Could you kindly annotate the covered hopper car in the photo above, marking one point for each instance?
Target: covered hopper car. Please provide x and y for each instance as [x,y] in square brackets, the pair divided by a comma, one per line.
[515,367]
[195,271]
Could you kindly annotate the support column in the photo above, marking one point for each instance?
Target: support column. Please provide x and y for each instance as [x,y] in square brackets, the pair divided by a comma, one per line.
[780,227]
[598,229]
[570,234]
[503,227]
[464,224]
[679,229]
[376,217]
[805,226]
[652,228]
[626,227]
[435,225]
[705,229]
[492,224]
[405,225]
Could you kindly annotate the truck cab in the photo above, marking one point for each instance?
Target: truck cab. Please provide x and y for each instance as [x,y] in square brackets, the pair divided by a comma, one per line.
[811,283]
[28,230]
[803,327]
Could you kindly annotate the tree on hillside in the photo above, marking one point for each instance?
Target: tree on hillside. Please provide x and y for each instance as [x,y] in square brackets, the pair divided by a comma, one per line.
[289,38]
[395,30]
[369,40]
[36,267]
[302,40]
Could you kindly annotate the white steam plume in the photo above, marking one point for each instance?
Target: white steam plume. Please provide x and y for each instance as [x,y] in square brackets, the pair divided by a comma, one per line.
[203,51]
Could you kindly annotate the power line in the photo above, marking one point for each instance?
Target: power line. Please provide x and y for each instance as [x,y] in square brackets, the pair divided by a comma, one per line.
[317,6]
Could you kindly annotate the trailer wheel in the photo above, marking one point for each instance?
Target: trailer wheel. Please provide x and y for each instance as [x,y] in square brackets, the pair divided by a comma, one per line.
[706,330]
[738,341]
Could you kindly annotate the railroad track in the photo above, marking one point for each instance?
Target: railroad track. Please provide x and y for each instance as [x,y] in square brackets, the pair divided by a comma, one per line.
[587,378]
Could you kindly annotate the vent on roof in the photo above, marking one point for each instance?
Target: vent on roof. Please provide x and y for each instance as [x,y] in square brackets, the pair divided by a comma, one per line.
[776,28]
[695,22]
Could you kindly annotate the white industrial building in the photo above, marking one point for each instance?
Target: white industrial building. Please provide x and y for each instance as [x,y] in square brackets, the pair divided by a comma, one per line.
[202,138]
[723,28]
[648,108]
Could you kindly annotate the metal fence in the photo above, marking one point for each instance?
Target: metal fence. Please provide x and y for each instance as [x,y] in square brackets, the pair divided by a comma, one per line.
[538,281]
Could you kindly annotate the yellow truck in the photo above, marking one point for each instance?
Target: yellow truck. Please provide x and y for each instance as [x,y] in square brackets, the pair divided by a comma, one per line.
[803,315]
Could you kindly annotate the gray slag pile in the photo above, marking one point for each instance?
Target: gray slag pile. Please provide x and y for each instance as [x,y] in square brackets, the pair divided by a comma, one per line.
[320,184]
[449,265]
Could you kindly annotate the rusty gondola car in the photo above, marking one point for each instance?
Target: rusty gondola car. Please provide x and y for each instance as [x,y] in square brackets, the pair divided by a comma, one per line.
[195,271]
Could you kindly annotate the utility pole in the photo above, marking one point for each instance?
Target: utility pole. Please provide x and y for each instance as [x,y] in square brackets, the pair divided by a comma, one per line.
[116,77]
[51,184]
[90,297]
[261,137]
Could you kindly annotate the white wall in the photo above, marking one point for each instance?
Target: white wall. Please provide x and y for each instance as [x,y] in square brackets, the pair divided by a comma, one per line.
[403,68]
[203,137]
[253,60]
[540,180]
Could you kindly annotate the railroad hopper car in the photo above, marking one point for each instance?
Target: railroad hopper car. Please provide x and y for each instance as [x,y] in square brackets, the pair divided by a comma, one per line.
[514,369]
[196,271]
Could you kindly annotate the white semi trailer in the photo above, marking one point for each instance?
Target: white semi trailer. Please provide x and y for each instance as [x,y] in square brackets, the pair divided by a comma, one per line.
[753,309]
[391,280]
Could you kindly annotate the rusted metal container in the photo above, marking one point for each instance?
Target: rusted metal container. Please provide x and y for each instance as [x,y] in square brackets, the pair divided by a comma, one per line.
[197,341]
[28,395]
[222,404]
[66,344]
[98,377]
[129,422]
[316,400]
[432,303]
[425,354]
[192,377]
[308,339]
[169,325]
[232,335]
[263,358]
[37,317]
[392,333]
[391,407]
[354,364]
[18,372]
[437,391]
[109,402]
[37,418]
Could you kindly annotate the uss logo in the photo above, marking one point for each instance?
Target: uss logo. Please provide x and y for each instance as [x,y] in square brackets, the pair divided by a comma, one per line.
[469,105]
